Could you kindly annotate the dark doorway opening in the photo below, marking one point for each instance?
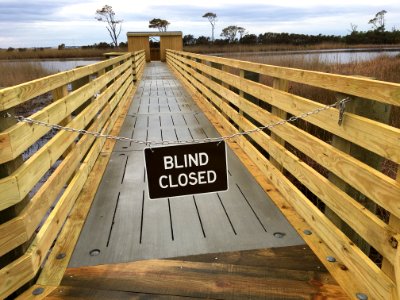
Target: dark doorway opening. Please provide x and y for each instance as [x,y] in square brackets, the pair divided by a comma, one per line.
[154,48]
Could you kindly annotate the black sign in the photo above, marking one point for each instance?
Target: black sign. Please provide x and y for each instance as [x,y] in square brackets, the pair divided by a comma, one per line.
[186,169]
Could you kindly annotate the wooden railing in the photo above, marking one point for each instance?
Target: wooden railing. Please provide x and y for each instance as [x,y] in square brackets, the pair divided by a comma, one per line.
[138,62]
[39,188]
[334,193]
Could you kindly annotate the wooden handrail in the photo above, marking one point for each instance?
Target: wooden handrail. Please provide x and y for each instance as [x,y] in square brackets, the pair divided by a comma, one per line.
[226,96]
[69,157]
[386,92]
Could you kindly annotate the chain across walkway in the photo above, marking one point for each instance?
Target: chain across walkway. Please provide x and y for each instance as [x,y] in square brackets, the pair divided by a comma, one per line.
[340,104]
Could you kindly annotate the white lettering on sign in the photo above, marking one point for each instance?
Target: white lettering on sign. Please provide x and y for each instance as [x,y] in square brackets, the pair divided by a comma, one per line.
[183,179]
[186,169]
[187,161]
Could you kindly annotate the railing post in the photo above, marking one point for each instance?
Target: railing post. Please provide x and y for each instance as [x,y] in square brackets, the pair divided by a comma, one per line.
[225,68]
[99,74]
[220,67]
[134,67]
[78,84]
[282,85]
[375,111]
[253,77]
[59,93]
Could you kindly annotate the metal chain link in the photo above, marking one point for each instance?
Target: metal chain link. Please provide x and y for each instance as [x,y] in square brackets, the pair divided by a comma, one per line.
[338,104]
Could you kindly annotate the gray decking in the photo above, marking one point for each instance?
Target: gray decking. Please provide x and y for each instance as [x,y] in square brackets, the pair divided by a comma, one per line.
[124,225]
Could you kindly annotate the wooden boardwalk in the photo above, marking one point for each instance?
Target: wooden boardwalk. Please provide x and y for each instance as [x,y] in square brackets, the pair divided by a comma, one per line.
[227,245]
[124,225]
[77,221]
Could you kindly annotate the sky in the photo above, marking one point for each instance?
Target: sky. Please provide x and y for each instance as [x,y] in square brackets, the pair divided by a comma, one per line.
[45,23]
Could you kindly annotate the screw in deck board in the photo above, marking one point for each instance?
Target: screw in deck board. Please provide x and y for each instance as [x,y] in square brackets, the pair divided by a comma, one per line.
[94,252]
[361,296]
[38,291]
[331,259]
[279,235]
[307,232]
[60,255]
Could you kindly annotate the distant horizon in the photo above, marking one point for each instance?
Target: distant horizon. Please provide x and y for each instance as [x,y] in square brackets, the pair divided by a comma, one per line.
[43,23]
[125,41]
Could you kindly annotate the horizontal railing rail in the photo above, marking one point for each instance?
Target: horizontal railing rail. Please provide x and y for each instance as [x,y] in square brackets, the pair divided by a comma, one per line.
[139,60]
[39,187]
[336,184]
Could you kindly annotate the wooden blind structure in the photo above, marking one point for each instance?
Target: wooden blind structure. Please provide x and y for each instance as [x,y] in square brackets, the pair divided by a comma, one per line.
[168,40]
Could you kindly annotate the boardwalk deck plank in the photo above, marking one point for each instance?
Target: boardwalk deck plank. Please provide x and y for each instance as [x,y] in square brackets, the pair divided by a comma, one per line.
[256,274]
[126,226]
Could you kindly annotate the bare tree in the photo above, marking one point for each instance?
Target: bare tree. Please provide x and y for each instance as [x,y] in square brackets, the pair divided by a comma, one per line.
[212,18]
[106,14]
[160,24]
[378,22]
[353,28]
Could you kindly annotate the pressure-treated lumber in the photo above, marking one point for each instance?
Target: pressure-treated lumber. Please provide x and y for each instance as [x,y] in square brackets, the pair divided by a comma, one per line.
[103,112]
[33,169]
[11,233]
[365,272]
[386,92]
[19,137]
[13,96]
[20,271]
[283,85]
[340,273]
[374,136]
[376,111]
[54,269]
[367,224]
[13,211]
[357,174]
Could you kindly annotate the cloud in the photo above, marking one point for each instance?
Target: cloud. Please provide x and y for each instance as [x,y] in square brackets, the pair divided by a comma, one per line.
[49,23]
[31,11]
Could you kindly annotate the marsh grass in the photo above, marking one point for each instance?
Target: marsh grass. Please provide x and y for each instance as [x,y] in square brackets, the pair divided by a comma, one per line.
[236,48]
[13,73]
[55,53]
[384,68]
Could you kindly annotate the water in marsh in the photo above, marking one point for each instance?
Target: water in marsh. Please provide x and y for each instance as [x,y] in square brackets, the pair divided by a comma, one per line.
[336,56]
[59,65]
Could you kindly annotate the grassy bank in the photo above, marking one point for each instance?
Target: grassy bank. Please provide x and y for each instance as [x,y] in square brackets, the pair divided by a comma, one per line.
[55,53]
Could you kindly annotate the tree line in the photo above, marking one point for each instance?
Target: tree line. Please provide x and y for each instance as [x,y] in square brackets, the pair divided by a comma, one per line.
[359,37]
[234,34]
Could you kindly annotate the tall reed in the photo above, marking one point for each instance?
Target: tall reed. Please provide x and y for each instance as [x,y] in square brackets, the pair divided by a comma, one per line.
[55,53]
[232,48]
[12,73]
